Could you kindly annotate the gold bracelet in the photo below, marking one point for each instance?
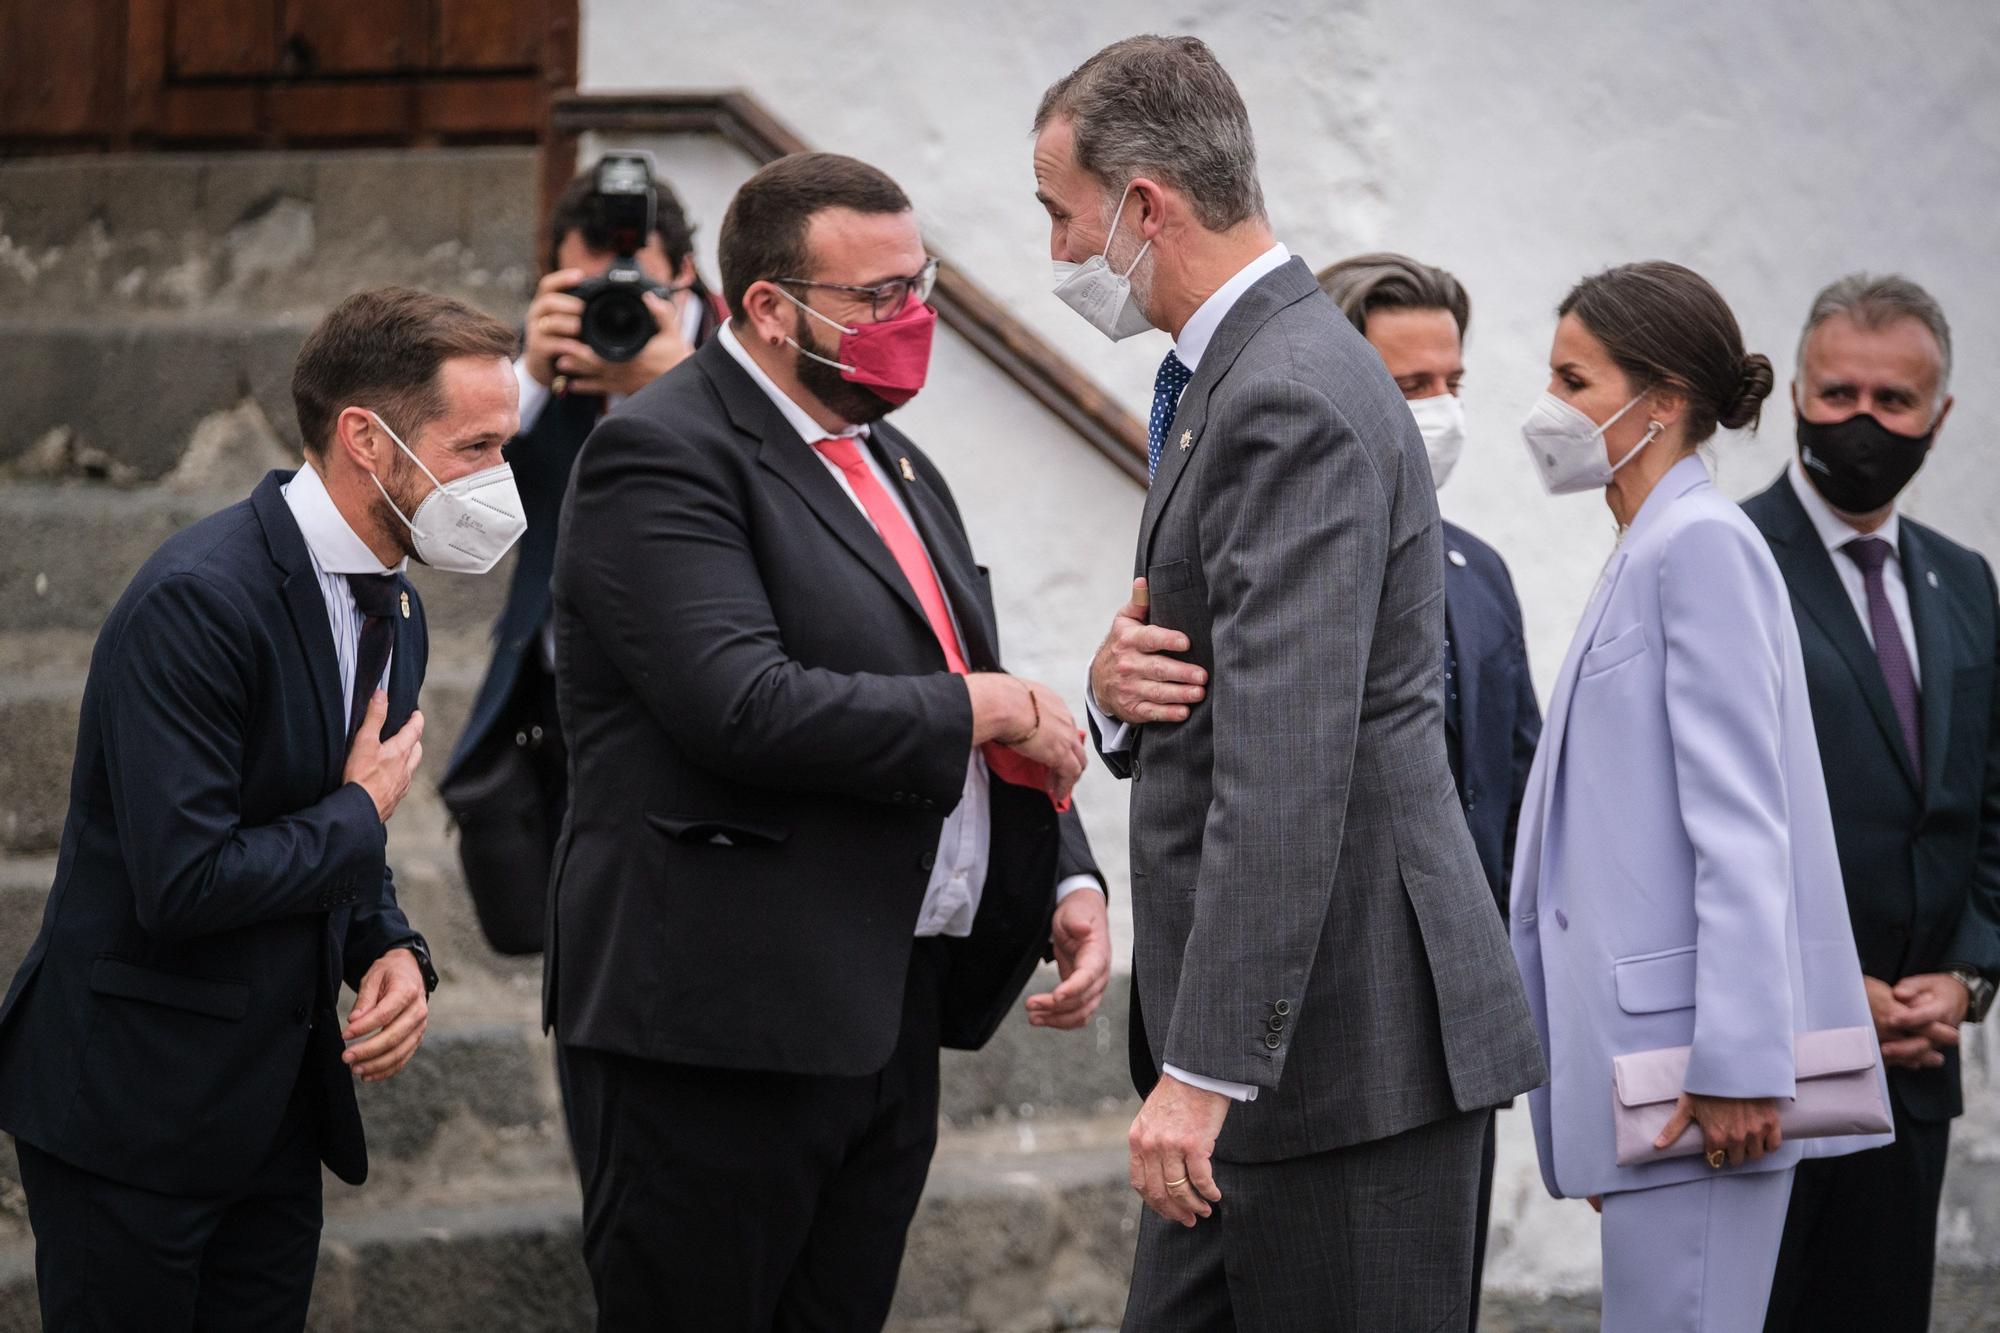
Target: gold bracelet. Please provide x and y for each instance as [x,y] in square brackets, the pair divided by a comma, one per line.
[1033,731]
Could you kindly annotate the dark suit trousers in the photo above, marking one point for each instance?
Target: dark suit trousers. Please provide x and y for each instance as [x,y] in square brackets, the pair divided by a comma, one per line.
[1860,1244]
[116,1257]
[1357,1240]
[751,1200]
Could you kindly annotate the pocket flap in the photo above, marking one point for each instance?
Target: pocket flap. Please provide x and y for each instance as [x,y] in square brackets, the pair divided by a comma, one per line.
[1169,576]
[1622,647]
[1653,983]
[129,981]
[723,831]
[1644,1078]
[1835,1051]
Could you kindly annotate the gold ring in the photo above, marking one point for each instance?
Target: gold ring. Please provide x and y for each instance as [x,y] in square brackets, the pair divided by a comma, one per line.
[559,386]
[1176,1184]
[1717,1158]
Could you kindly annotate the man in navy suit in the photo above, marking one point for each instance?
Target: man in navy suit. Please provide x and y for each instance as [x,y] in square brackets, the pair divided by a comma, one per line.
[506,782]
[1901,633]
[1415,316]
[171,1061]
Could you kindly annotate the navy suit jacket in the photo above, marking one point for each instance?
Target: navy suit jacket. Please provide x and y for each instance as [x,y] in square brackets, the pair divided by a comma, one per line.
[1498,719]
[217,880]
[1919,852]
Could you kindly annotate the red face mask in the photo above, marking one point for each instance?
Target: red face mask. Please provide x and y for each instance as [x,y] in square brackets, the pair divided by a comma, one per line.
[890,357]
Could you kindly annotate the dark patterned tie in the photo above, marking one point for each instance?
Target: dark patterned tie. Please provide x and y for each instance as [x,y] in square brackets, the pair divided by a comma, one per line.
[1167,386]
[376,597]
[1871,553]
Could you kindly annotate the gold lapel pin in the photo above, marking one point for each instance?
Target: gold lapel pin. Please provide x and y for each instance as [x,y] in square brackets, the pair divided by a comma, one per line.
[406,606]
[909,473]
[1187,439]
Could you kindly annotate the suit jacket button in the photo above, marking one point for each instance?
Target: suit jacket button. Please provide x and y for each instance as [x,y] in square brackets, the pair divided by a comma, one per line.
[1272,1041]
[1281,1008]
[1562,919]
[927,860]
[1277,1023]
[301,1014]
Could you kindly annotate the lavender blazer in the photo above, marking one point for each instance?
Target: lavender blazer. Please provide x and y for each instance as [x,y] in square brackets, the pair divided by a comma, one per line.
[1675,880]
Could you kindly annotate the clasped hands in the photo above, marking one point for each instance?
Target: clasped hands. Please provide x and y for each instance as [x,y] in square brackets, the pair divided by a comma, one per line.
[1917,1018]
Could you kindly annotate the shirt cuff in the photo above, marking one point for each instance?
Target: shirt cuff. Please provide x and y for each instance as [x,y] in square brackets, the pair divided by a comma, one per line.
[1075,882]
[1237,1092]
[1112,736]
[534,396]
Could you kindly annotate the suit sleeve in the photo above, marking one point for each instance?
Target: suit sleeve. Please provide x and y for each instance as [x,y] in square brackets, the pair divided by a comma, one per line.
[658,564]
[1722,609]
[174,735]
[1977,941]
[376,927]
[1527,735]
[1298,506]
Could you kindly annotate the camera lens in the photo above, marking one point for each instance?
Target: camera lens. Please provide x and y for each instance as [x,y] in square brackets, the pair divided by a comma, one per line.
[617,324]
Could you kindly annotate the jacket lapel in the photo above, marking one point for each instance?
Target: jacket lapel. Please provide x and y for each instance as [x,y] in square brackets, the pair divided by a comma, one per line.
[950,556]
[1461,629]
[1290,282]
[1931,622]
[307,606]
[1816,586]
[781,452]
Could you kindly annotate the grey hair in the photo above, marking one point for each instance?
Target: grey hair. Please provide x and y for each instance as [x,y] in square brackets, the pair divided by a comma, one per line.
[1874,302]
[1386,281]
[1162,107]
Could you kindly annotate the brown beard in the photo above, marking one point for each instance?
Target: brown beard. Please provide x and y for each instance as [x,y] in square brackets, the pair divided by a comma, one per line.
[853,403]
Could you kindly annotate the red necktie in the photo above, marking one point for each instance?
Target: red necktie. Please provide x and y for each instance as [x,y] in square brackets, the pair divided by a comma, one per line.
[903,543]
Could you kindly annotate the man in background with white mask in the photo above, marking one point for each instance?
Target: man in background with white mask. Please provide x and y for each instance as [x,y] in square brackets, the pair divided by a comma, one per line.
[172,1064]
[1415,317]
[1324,1008]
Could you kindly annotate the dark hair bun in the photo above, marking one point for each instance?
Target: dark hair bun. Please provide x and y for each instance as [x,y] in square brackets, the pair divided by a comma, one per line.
[1753,386]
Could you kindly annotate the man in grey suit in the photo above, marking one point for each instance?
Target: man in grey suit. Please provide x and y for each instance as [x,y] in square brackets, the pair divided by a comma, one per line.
[1324,1002]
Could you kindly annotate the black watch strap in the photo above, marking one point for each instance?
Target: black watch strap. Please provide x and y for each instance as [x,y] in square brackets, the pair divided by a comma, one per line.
[422,952]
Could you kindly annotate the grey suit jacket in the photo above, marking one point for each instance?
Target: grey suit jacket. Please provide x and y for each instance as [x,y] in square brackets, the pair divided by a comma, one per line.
[1310,915]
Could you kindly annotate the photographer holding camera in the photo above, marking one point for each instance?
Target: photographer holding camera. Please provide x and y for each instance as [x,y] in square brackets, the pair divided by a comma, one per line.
[621,305]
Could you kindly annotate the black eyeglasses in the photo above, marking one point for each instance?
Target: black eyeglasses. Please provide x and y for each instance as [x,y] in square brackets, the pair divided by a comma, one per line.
[885,299]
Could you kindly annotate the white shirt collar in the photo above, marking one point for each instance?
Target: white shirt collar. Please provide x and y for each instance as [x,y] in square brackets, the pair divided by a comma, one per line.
[795,416]
[335,546]
[1834,530]
[1208,317]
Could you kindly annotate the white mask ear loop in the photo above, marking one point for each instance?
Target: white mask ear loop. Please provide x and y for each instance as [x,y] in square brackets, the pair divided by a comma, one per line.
[1106,256]
[837,365]
[413,458]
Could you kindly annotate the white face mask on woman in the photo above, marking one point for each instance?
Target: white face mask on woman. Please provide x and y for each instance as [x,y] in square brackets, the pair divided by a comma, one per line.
[1101,296]
[1441,418]
[1568,447]
[467,525]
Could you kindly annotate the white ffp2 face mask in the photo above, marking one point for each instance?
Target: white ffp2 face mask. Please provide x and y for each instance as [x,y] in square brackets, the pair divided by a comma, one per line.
[465,526]
[1441,418]
[1568,447]
[1101,296]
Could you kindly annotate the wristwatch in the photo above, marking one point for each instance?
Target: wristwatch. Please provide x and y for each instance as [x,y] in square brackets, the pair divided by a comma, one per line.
[1978,988]
[422,953]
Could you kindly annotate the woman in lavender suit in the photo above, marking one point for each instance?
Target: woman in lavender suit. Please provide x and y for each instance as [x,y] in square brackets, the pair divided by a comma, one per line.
[1675,882]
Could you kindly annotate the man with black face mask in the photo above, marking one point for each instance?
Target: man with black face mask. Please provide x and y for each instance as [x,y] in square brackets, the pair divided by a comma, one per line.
[1898,625]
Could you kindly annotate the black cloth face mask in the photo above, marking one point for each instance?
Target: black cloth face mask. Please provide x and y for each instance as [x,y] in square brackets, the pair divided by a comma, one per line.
[1859,464]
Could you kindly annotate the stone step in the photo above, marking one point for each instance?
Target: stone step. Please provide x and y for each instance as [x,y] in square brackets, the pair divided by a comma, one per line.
[38,713]
[266,230]
[68,551]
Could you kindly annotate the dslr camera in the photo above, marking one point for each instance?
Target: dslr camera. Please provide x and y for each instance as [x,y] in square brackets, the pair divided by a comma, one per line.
[619,217]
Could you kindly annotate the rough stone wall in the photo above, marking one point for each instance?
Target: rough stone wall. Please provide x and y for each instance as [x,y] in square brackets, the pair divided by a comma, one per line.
[1772,148]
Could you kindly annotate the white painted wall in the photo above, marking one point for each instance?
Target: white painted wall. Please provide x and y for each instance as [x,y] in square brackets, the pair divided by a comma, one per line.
[1771,147]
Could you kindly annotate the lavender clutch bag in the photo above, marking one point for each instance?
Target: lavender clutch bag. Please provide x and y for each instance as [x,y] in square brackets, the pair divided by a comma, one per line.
[1838,1091]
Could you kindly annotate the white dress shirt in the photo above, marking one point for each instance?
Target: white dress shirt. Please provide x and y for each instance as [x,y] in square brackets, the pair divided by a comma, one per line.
[1190,347]
[336,552]
[951,899]
[1835,532]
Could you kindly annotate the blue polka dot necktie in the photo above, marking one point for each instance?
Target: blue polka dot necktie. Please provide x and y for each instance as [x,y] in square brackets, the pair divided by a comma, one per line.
[1167,386]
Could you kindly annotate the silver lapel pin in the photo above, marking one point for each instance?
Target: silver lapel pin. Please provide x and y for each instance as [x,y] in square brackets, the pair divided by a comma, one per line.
[1930,575]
